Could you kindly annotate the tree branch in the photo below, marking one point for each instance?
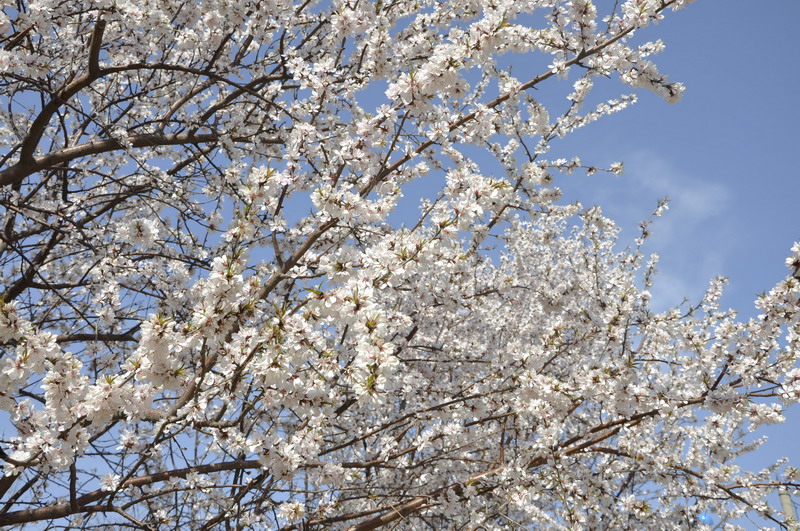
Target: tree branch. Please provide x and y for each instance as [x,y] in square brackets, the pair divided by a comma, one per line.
[24,168]
[66,509]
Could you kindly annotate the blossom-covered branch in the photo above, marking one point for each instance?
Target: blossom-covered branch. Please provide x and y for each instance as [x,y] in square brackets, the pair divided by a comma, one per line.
[217,308]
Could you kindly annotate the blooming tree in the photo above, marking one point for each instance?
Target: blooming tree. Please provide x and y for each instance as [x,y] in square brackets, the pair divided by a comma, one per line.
[209,320]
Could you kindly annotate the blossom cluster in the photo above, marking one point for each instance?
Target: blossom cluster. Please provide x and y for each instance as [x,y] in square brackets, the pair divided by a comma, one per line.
[216,309]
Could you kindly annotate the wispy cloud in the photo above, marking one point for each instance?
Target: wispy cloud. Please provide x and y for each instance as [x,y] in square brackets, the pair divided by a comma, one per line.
[692,238]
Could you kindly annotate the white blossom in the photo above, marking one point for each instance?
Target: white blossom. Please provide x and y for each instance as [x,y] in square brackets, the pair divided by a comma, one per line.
[214,296]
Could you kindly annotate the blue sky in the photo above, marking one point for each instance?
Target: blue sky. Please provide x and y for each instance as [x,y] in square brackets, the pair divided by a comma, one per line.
[725,155]
[722,154]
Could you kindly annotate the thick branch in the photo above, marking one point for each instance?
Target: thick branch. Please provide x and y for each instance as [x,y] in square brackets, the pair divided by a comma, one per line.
[24,168]
[66,509]
[94,47]
[38,126]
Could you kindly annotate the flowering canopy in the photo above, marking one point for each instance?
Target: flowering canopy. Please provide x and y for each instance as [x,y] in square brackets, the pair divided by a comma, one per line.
[208,319]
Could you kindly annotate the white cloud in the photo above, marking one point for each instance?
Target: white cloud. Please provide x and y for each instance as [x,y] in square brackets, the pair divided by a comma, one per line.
[692,237]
